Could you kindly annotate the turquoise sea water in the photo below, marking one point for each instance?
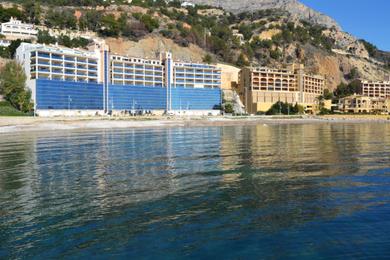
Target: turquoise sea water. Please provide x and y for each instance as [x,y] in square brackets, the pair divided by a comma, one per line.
[237,192]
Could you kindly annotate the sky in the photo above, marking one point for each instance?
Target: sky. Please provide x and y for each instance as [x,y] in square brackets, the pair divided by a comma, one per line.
[365,19]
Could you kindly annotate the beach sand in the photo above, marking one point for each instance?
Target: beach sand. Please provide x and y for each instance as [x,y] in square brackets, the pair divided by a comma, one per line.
[25,124]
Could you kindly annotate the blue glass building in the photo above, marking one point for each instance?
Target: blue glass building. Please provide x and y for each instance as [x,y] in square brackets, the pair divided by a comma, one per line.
[63,79]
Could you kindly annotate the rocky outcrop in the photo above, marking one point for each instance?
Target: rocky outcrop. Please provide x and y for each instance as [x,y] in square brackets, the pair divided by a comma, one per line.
[151,47]
[294,7]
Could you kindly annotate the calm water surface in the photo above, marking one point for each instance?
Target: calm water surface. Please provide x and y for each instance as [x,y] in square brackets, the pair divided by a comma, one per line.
[276,191]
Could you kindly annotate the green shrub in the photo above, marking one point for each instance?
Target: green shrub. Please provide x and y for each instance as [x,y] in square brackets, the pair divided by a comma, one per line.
[6,109]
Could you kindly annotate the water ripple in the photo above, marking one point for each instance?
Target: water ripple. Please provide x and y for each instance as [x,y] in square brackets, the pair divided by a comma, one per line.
[282,191]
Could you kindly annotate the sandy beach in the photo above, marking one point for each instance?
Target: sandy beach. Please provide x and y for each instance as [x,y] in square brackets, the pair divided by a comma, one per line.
[25,124]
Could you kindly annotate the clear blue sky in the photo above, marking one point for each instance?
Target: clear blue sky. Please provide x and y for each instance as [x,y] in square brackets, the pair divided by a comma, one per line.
[366,19]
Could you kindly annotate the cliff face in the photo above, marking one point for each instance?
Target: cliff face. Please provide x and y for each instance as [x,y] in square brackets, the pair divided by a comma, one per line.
[294,7]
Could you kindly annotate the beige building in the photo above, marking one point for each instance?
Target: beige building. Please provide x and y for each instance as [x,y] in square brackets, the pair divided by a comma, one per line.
[229,76]
[261,87]
[364,104]
[379,89]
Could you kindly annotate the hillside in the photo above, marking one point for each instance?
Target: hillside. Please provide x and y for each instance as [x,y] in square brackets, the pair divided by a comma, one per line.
[274,33]
[294,7]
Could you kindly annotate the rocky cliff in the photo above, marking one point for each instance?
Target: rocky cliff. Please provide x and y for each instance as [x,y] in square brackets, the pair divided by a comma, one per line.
[294,7]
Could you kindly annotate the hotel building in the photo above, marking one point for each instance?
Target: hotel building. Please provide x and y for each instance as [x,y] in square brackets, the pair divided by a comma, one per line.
[15,29]
[378,89]
[65,80]
[364,104]
[261,87]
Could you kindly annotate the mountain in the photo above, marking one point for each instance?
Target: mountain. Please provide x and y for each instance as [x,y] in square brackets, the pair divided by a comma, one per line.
[294,7]
[271,33]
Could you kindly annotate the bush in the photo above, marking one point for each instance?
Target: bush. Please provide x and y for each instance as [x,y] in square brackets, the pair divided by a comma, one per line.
[207,58]
[281,108]
[228,108]
[6,109]
[149,22]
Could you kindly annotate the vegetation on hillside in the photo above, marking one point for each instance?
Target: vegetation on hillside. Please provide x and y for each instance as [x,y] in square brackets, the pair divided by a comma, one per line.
[343,90]
[210,28]
[44,37]
[377,54]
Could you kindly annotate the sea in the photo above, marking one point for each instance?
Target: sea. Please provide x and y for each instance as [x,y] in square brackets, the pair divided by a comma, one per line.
[267,191]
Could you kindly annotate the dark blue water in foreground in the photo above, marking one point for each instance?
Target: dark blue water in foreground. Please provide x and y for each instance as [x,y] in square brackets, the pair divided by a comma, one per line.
[276,191]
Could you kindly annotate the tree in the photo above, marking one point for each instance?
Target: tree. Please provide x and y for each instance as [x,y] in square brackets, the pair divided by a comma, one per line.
[344,90]
[242,61]
[110,26]
[45,37]
[353,74]
[90,20]
[33,11]
[281,108]
[207,58]
[13,87]
[328,94]
[246,30]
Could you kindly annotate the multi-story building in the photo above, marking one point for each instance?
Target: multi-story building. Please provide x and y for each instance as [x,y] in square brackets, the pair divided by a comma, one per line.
[58,63]
[379,89]
[195,75]
[136,71]
[364,104]
[15,29]
[63,80]
[261,87]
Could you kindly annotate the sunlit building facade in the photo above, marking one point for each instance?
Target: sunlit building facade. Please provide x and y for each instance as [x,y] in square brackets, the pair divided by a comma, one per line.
[261,87]
[16,29]
[379,89]
[63,80]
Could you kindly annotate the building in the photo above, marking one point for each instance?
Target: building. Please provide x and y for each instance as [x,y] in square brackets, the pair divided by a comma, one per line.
[364,104]
[261,87]
[15,29]
[5,43]
[187,4]
[69,81]
[378,89]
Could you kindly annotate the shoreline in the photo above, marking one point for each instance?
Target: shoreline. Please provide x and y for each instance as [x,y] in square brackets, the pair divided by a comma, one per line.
[26,124]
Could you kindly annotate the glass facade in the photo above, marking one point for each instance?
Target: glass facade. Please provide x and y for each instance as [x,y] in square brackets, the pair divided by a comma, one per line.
[56,94]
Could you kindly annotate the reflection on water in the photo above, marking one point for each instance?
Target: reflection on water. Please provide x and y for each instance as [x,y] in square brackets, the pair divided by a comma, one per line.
[237,192]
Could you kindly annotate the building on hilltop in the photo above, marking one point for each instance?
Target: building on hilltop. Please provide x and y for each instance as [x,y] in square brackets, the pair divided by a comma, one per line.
[15,29]
[65,81]
[261,87]
[187,4]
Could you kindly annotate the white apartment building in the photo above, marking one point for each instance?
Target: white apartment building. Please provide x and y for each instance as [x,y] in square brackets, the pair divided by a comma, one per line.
[194,75]
[136,71]
[15,29]
[59,63]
